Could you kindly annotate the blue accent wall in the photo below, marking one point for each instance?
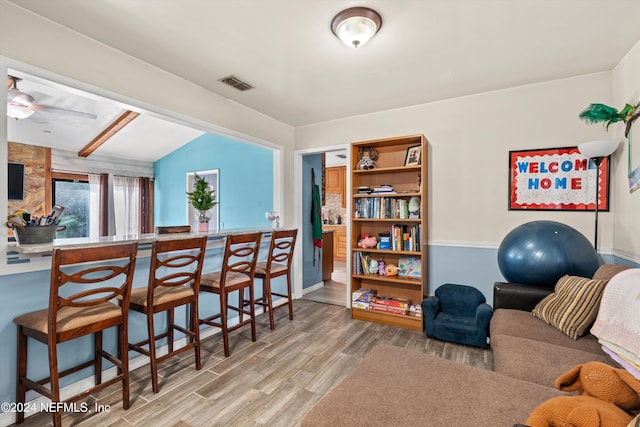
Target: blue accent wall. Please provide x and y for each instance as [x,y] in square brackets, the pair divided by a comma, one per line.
[476,267]
[312,272]
[246,181]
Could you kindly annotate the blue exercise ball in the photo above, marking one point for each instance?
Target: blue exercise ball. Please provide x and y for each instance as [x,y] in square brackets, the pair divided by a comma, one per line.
[541,252]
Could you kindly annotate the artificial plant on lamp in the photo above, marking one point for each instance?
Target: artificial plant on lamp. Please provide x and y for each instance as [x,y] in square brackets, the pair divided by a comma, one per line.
[601,113]
[597,150]
[202,199]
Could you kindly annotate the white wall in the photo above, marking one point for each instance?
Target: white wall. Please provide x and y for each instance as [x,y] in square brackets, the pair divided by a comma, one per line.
[469,139]
[626,89]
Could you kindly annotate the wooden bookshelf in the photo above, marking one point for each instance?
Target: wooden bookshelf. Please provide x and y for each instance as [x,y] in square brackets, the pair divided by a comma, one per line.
[408,182]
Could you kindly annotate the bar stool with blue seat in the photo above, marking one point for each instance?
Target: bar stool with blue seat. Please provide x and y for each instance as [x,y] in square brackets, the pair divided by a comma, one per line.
[84,282]
[174,281]
[459,314]
[237,275]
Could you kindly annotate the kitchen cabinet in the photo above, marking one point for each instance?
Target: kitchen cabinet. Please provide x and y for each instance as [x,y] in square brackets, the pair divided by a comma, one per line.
[327,254]
[336,182]
[339,241]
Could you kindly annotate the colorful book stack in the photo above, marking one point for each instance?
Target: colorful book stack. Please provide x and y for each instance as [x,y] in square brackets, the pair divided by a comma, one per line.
[382,208]
[384,189]
[360,263]
[405,238]
[390,304]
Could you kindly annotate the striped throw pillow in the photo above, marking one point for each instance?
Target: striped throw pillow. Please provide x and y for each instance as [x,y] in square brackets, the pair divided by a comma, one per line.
[573,306]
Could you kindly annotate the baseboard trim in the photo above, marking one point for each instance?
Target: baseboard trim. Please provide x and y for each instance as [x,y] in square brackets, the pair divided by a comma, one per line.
[312,288]
[627,256]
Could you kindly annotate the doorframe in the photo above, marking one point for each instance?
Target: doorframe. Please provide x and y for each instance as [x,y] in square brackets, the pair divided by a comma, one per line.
[299,215]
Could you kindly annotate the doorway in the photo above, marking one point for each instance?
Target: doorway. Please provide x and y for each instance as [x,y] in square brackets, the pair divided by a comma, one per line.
[333,284]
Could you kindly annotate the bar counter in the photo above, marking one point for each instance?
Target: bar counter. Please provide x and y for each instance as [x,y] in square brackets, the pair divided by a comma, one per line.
[24,283]
[22,258]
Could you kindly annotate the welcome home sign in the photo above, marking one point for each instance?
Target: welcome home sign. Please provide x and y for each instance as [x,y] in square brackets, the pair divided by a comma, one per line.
[556,179]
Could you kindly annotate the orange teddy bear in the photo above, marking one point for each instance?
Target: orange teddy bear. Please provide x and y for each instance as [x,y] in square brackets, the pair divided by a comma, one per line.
[607,396]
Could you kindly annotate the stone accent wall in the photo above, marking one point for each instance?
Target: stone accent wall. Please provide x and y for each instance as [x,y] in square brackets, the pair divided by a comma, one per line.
[35,160]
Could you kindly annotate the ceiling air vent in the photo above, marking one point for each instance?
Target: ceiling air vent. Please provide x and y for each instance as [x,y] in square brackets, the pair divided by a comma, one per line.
[235,82]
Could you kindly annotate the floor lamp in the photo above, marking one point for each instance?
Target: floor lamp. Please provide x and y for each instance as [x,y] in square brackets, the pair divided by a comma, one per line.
[596,151]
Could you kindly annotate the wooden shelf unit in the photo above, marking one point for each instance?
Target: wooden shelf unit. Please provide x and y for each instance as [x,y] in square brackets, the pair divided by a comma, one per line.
[405,180]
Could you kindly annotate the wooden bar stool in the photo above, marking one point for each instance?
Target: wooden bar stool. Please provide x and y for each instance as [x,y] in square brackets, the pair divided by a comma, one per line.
[278,264]
[237,274]
[80,304]
[174,281]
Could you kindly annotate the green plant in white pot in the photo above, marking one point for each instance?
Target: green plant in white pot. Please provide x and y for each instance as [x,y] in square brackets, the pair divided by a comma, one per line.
[202,198]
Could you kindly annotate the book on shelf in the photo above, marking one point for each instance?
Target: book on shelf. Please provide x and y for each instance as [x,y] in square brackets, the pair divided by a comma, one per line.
[383,208]
[384,188]
[406,238]
[410,267]
[362,263]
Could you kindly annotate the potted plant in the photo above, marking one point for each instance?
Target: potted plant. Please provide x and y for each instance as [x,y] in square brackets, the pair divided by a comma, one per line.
[202,199]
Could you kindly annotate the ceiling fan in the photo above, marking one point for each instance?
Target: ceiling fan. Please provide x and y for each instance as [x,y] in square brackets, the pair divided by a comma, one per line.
[21,105]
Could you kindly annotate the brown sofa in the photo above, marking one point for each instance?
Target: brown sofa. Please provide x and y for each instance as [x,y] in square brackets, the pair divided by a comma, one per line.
[529,349]
[394,386]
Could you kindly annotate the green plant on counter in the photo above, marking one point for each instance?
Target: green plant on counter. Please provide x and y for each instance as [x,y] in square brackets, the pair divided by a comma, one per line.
[202,197]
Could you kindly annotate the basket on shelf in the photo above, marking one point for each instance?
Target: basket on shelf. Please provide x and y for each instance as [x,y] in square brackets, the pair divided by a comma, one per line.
[36,234]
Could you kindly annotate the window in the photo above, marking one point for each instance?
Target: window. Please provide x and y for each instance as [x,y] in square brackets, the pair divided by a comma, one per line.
[126,205]
[72,192]
[96,207]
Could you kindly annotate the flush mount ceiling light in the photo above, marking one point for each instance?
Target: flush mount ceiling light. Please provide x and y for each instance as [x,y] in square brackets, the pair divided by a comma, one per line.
[356,25]
[18,111]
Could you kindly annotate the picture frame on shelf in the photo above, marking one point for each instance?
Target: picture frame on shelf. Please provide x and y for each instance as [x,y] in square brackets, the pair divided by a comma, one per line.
[413,156]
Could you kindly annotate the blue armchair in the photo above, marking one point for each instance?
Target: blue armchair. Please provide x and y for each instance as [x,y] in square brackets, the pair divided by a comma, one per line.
[457,313]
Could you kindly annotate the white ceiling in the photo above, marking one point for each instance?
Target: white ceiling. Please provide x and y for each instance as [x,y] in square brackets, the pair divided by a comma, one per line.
[147,138]
[426,50]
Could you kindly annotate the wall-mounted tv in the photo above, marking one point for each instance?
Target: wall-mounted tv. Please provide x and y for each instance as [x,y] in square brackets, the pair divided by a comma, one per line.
[16,181]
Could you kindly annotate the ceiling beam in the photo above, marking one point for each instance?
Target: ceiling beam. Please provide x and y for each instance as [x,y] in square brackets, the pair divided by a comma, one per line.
[111,130]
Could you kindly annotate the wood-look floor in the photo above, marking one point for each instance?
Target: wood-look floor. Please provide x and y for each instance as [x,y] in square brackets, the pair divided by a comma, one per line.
[334,291]
[274,381]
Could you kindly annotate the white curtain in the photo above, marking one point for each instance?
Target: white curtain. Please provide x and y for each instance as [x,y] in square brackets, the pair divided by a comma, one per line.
[94,205]
[126,199]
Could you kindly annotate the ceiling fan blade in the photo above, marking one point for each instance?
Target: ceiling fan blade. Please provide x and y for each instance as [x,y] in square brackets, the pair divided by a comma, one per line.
[48,108]
[19,98]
